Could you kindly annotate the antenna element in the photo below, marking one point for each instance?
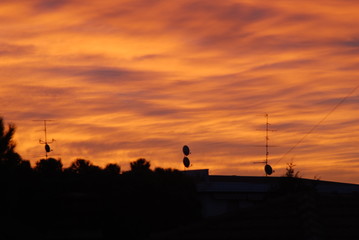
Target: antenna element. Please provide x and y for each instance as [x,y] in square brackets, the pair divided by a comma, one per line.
[267,168]
[47,146]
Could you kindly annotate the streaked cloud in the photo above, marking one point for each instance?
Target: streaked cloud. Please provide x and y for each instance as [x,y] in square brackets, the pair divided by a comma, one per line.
[128,79]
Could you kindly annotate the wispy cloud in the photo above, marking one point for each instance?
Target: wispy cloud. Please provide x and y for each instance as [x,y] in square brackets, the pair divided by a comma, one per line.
[130,79]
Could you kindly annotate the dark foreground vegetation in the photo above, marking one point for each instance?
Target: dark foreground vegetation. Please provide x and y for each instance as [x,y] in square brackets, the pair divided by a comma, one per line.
[84,201]
[98,203]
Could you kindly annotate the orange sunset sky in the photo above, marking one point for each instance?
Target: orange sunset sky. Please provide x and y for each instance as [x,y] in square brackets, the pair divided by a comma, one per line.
[123,80]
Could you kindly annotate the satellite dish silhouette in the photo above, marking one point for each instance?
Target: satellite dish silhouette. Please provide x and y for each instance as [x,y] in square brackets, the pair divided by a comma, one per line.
[268,169]
[47,147]
[186,150]
[186,162]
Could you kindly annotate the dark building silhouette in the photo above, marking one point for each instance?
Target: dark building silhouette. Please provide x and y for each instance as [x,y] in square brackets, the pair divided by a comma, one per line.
[249,207]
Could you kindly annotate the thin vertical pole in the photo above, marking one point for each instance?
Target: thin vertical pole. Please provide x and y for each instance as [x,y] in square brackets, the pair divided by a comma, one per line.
[267,138]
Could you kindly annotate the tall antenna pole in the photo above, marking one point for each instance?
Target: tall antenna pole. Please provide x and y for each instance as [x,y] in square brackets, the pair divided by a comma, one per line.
[47,146]
[268,168]
[267,138]
[45,131]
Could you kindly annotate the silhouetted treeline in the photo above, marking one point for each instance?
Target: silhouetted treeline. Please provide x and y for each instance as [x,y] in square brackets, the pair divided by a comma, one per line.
[48,200]
[84,201]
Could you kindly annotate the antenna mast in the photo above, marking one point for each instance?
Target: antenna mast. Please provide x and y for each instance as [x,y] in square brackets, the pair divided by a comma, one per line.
[267,168]
[267,138]
[47,146]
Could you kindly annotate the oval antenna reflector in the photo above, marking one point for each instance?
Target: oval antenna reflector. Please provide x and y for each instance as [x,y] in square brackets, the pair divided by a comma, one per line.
[186,150]
[186,162]
[268,169]
[47,147]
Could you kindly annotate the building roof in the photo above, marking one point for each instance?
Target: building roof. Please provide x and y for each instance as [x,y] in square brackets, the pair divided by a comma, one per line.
[231,183]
